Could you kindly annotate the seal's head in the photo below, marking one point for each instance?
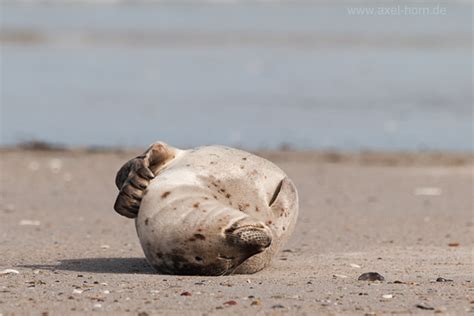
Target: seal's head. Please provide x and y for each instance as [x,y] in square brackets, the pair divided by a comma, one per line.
[209,249]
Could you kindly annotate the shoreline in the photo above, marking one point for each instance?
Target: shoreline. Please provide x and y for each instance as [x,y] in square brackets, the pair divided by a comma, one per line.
[361,157]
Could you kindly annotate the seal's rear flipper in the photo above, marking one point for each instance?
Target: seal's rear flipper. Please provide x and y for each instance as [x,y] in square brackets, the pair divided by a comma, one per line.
[135,175]
[284,198]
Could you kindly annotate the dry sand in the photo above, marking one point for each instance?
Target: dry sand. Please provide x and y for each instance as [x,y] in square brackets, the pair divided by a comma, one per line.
[408,217]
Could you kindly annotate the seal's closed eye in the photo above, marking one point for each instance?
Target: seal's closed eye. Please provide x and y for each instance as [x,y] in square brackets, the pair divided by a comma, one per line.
[275,194]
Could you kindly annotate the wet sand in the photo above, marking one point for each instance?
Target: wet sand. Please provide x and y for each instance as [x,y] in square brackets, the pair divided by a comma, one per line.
[408,217]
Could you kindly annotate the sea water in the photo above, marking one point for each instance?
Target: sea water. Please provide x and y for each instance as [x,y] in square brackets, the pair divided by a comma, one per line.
[309,75]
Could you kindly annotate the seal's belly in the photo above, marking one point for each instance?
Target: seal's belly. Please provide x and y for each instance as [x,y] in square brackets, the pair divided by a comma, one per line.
[230,171]
[229,176]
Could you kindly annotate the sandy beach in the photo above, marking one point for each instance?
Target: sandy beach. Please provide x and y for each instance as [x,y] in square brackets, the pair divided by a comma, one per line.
[408,217]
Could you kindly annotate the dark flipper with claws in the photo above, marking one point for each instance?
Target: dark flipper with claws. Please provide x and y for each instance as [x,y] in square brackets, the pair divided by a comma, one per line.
[135,175]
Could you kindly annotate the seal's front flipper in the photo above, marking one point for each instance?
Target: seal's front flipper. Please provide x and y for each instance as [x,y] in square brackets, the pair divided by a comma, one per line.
[133,178]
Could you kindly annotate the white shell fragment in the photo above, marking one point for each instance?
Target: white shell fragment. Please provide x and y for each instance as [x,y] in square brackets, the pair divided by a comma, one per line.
[341,276]
[428,191]
[8,271]
[27,222]
[55,165]
[67,177]
[34,165]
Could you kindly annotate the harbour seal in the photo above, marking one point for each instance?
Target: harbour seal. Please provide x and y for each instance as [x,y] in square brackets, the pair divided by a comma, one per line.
[211,210]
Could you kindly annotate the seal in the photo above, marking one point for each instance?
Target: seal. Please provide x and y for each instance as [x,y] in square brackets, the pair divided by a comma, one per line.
[212,210]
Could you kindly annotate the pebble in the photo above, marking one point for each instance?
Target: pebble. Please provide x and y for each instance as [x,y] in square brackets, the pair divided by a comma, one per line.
[371,276]
[256,302]
[387,296]
[226,284]
[355,265]
[9,208]
[230,303]
[97,305]
[186,293]
[77,291]
[278,306]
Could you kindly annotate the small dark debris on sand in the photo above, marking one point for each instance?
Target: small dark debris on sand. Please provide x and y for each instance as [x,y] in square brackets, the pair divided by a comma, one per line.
[440,279]
[428,308]
[38,145]
[371,276]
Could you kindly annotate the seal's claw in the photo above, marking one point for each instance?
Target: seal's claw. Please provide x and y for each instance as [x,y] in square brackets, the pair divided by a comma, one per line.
[134,177]
[126,206]
[145,173]
[137,182]
[132,192]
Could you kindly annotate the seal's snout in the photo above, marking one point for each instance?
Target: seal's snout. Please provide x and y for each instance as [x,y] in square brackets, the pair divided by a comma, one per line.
[249,235]
[252,237]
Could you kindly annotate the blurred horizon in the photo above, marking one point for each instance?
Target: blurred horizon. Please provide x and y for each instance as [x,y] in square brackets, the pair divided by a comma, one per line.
[252,74]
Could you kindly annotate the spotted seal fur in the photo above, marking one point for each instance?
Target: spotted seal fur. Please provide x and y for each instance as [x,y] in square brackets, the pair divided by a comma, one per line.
[211,210]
